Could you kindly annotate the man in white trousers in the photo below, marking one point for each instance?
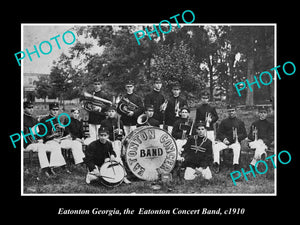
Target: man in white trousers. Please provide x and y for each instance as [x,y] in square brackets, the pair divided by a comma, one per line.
[261,135]
[74,137]
[229,135]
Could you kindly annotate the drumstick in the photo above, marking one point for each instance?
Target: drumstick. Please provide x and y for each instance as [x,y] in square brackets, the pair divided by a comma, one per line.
[111,163]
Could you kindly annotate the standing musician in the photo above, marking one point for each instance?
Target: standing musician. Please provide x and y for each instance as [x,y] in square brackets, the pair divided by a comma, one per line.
[158,101]
[97,153]
[35,145]
[95,117]
[231,131]
[147,119]
[173,107]
[74,138]
[197,154]
[207,113]
[261,135]
[130,107]
[52,139]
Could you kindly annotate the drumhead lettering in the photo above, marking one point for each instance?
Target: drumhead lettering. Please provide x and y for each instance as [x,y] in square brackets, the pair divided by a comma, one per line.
[150,151]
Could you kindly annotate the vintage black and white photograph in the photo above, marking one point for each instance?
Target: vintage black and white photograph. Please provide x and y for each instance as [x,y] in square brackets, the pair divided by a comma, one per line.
[148,109]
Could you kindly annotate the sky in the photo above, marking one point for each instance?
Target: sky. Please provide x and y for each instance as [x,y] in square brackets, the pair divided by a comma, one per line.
[37,33]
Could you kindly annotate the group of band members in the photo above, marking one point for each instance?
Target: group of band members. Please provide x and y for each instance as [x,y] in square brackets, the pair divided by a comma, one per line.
[198,146]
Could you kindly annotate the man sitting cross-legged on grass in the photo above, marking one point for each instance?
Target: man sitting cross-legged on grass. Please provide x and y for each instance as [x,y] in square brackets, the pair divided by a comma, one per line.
[197,154]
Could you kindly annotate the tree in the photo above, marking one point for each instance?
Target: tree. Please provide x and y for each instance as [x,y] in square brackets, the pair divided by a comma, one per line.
[176,64]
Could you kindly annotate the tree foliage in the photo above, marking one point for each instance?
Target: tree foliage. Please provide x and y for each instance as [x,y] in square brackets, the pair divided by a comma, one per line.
[212,57]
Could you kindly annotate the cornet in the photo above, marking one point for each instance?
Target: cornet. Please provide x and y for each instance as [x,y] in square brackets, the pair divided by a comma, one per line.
[177,109]
[207,118]
[235,135]
[254,133]
[163,106]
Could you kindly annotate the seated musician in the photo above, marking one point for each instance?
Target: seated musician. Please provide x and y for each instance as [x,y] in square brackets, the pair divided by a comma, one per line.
[147,118]
[74,138]
[261,135]
[230,133]
[97,153]
[197,154]
[35,145]
[52,139]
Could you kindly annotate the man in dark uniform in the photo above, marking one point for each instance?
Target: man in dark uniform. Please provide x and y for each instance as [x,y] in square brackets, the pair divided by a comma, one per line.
[175,103]
[36,144]
[111,123]
[129,118]
[261,135]
[182,126]
[207,113]
[148,116]
[230,133]
[197,154]
[99,114]
[96,154]
[74,137]
[52,138]
[156,99]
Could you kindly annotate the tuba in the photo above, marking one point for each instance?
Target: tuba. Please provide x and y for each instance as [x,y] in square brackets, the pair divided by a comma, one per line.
[126,106]
[90,102]
[143,119]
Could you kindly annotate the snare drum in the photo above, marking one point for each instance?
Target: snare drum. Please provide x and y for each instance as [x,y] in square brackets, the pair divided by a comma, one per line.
[112,173]
[149,152]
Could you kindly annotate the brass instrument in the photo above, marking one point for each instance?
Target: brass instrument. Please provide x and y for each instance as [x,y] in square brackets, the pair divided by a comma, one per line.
[118,132]
[57,131]
[126,106]
[177,109]
[91,102]
[184,127]
[143,119]
[235,135]
[163,106]
[254,133]
[207,118]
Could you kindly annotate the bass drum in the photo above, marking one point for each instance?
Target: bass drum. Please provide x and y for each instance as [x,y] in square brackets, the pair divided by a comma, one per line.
[150,151]
[112,173]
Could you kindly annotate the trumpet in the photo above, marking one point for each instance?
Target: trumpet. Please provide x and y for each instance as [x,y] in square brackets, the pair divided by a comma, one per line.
[234,134]
[163,106]
[207,118]
[254,133]
[143,119]
[177,109]
[91,102]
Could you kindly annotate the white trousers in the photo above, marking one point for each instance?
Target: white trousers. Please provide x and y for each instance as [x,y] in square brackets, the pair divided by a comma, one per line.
[219,146]
[93,131]
[191,174]
[128,129]
[210,134]
[260,149]
[56,157]
[76,148]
